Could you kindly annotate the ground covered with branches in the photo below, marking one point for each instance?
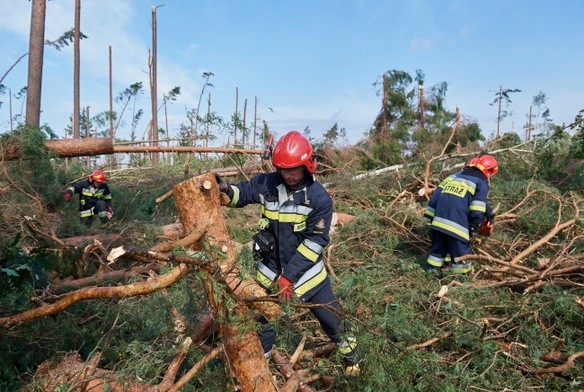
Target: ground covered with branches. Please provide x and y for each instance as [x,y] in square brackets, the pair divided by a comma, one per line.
[514,324]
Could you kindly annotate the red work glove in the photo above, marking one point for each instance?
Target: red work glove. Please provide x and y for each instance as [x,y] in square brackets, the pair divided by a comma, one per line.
[486,228]
[285,289]
[67,196]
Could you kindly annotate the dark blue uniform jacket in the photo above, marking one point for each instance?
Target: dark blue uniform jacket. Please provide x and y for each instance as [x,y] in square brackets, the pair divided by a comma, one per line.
[300,222]
[459,203]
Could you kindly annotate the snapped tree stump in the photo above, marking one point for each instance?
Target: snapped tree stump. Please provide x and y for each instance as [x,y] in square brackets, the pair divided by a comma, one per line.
[198,203]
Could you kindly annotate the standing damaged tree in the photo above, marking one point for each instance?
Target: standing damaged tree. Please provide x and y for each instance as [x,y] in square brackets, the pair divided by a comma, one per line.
[502,96]
[35,62]
[413,121]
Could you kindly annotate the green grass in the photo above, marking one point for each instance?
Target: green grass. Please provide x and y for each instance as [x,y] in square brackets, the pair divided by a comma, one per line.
[484,338]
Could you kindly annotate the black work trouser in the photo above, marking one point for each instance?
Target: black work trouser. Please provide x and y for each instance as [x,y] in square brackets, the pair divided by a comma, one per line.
[329,321]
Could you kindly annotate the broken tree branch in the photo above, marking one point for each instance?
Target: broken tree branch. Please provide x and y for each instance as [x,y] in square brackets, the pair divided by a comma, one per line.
[88,293]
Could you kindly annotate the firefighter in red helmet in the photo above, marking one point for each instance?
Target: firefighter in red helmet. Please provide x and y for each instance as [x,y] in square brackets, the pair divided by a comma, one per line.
[294,231]
[458,210]
[94,198]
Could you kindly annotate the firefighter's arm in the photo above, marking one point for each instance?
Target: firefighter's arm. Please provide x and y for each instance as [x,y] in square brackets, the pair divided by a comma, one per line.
[315,239]
[244,192]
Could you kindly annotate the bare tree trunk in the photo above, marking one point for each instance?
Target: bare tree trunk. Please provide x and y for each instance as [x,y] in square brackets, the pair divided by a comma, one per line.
[10,108]
[112,158]
[208,124]
[255,122]
[165,101]
[421,109]
[111,97]
[80,147]
[246,356]
[35,62]
[153,88]
[76,99]
[528,130]
[499,111]
[236,123]
[243,133]
[384,108]
[67,148]
[87,136]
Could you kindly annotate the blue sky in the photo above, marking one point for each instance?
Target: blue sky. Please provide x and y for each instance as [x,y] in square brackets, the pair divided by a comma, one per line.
[312,62]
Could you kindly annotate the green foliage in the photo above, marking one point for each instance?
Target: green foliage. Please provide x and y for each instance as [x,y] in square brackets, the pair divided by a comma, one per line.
[467,136]
[413,121]
[19,269]
[509,140]
[33,186]
[393,306]
[65,39]
[577,147]
[555,163]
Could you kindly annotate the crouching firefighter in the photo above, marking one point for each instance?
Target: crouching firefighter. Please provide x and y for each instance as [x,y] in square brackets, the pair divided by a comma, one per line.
[458,211]
[296,218]
[94,198]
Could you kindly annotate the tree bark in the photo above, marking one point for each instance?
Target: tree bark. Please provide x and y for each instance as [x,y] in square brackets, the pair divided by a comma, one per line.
[68,148]
[199,209]
[79,241]
[64,148]
[35,62]
[198,204]
[76,73]
[153,88]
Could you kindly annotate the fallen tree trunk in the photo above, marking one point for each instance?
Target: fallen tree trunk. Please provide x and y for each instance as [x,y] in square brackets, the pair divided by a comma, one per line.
[64,148]
[69,148]
[218,150]
[79,241]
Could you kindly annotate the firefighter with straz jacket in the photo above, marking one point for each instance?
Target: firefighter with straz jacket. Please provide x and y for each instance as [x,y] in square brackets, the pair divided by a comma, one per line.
[294,231]
[458,210]
[94,198]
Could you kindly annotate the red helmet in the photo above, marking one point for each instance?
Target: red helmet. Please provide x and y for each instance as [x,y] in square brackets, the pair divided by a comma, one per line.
[294,150]
[487,164]
[98,175]
[472,162]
